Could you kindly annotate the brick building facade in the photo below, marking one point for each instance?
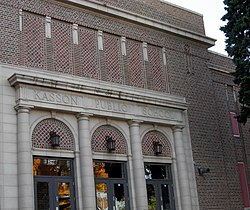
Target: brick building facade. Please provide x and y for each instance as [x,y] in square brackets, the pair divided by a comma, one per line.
[135,96]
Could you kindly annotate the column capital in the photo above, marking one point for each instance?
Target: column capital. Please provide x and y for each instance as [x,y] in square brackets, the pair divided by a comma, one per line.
[177,128]
[134,122]
[83,115]
[23,108]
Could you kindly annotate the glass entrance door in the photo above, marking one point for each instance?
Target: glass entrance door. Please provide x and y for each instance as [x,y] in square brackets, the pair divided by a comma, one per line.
[159,196]
[111,186]
[159,187]
[54,186]
[111,195]
[52,193]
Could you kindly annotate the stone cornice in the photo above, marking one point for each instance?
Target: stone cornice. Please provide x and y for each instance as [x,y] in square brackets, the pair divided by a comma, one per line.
[141,20]
[98,88]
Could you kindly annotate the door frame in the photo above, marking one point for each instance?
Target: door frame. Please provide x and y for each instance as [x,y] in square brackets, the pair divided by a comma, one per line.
[53,181]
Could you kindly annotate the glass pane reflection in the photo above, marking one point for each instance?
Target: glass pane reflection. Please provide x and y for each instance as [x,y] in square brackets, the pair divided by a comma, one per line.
[165,196]
[51,167]
[156,172]
[119,197]
[42,195]
[108,170]
[151,197]
[101,196]
[64,196]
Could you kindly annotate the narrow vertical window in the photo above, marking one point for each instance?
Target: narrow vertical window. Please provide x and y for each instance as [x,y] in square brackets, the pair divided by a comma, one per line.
[243,184]
[100,40]
[226,92]
[234,124]
[123,46]
[188,58]
[145,51]
[20,19]
[75,34]
[235,94]
[48,27]
[164,56]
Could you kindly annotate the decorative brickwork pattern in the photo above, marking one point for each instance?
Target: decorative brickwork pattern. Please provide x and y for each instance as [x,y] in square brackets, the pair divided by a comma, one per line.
[62,46]
[33,40]
[148,143]
[9,35]
[113,51]
[136,74]
[101,23]
[88,53]
[41,135]
[157,72]
[99,143]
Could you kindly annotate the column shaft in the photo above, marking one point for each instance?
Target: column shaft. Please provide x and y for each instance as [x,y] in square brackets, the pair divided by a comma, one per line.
[86,162]
[138,167]
[25,176]
[182,169]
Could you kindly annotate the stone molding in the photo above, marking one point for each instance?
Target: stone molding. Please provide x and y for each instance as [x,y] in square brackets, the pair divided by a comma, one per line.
[40,90]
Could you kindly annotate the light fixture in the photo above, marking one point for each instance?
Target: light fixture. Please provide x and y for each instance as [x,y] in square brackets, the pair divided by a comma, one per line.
[54,139]
[110,143]
[203,170]
[157,147]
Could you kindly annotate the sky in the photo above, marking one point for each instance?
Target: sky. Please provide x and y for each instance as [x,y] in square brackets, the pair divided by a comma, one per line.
[212,11]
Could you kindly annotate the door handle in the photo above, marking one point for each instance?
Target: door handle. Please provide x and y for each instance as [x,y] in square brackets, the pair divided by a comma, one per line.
[57,200]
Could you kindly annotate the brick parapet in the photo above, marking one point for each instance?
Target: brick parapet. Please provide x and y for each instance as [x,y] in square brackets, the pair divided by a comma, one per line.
[162,11]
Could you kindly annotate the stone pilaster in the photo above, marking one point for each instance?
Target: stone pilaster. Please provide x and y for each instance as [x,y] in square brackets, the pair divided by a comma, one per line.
[182,169]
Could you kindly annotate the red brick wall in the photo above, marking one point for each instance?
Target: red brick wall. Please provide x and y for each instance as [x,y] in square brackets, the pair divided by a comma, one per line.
[189,76]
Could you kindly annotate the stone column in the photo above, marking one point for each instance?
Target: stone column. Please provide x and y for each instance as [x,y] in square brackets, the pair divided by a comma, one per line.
[24,160]
[86,163]
[182,169]
[138,167]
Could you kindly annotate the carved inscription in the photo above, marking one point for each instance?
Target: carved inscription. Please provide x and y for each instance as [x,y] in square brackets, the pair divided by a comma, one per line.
[154,112]
[105,105]
[57,98]
[111,106]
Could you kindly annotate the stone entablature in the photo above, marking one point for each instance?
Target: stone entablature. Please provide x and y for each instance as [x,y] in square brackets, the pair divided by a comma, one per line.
[98,98]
